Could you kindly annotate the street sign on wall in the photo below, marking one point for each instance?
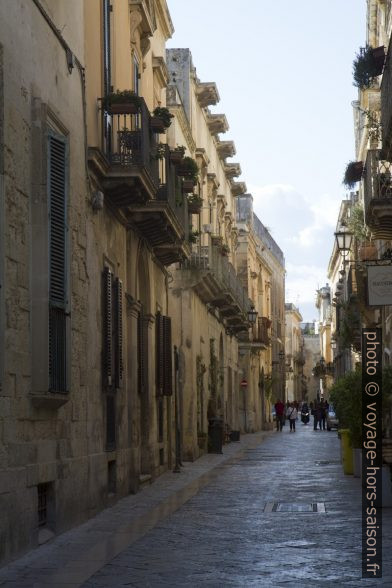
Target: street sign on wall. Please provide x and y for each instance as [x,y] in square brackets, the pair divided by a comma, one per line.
[379,285]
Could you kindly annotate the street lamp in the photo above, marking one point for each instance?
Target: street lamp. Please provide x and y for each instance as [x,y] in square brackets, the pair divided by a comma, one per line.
[344,239]
[252,315]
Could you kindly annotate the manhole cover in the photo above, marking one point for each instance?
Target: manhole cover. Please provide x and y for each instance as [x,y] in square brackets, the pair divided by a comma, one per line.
[294,507]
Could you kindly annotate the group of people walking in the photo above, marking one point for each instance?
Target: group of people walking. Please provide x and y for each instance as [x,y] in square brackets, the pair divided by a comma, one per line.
[290,411]
[282,412]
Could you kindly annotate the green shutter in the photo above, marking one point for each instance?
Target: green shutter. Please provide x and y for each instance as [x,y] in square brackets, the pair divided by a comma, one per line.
[159,354]
[57,207]
[118,333]
[168,363]
[107,352]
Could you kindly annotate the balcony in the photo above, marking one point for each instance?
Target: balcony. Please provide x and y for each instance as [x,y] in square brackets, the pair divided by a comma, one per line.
[140,182]
[124,166]
[378,195]
[210,274]
[386,105]
[164,220]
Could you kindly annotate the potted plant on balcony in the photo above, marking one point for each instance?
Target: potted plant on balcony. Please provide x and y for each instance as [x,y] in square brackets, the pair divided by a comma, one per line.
[353,173]
[159,151]
[187,186]
[177,154]
[192,237]
[367,65]
[195,203]
[122,102]
[161,119]
[189,169]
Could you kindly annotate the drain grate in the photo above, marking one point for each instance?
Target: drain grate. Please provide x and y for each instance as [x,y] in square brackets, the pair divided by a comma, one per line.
[294,507]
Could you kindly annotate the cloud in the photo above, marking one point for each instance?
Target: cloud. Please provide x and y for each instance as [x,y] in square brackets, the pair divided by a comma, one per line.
[303,228]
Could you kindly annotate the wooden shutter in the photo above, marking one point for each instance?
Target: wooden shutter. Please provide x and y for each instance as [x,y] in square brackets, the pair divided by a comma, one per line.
[107,69]
[168,363]
[107,352]
[118,333]
[57,207]
[142,353]
[160,351]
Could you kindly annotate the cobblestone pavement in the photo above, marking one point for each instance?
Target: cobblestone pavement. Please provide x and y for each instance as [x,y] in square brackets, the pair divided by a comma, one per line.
[214,525]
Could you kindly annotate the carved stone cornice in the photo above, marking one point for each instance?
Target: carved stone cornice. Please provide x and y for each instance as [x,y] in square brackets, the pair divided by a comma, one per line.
[225,149]
[238,188]
[202,156]
[213,183]
[217,123]
[133,306]
[164,18]
[232,170]
[145,18]
[207,93]
[160,70]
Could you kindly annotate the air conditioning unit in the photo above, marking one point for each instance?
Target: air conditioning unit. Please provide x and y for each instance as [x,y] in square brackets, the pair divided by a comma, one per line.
[207,228]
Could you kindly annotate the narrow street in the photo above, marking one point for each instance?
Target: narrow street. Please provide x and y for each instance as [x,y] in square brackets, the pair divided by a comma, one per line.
[210,525]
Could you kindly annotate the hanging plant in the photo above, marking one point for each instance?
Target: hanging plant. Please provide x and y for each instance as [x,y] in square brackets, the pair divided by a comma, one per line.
[353,173]
[356,223]
[189,169]
[164,115]
[367,66]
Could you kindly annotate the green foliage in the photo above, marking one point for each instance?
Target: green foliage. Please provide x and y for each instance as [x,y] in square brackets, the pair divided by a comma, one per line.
[353,173]
[356,223]
[192,237]
[365,68]
[346,397]
[350,323]
[122,97]
[189,169]
[164,114]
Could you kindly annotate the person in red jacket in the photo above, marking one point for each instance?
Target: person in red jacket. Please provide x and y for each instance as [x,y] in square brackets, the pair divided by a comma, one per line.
[279,411]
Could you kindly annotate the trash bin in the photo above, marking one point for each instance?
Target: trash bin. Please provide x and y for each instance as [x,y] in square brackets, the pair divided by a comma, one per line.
[234,435]
[347,452]
[215,435]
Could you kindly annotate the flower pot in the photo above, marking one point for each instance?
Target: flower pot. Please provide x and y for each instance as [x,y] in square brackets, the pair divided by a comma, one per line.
[157,125]
[128,108]
[194,205]
[176,157]
[187,186]
[368,252]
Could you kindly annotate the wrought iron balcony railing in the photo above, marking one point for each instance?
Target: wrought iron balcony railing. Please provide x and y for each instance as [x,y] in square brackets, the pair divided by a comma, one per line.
[217,283]
[378,195]
[386,104]
[261,331]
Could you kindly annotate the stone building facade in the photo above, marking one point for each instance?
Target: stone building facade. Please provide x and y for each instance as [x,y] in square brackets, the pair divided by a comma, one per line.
[295,360]
[122,307]
[262,270]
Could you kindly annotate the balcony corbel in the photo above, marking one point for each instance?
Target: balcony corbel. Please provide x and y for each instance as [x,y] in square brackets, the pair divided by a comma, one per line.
[207,93]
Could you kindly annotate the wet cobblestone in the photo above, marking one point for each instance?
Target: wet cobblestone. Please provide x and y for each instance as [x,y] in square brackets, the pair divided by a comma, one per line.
[221,536]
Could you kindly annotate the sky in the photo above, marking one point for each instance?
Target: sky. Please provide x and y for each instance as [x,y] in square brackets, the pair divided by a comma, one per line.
[284,75]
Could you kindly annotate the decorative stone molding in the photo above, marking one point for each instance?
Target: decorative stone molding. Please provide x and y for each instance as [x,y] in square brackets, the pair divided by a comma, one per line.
[133,306]
[238,188]
[213,183]
[232,170]
[160,70]
[147,23]
[202,156]
[217,123]
[135,19]
[178,111]
[225,149]
[207,93]
[163,14]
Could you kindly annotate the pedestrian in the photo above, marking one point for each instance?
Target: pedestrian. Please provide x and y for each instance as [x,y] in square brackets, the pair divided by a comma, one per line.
[279,415]
[323,414]
[291,414]
[316,415]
